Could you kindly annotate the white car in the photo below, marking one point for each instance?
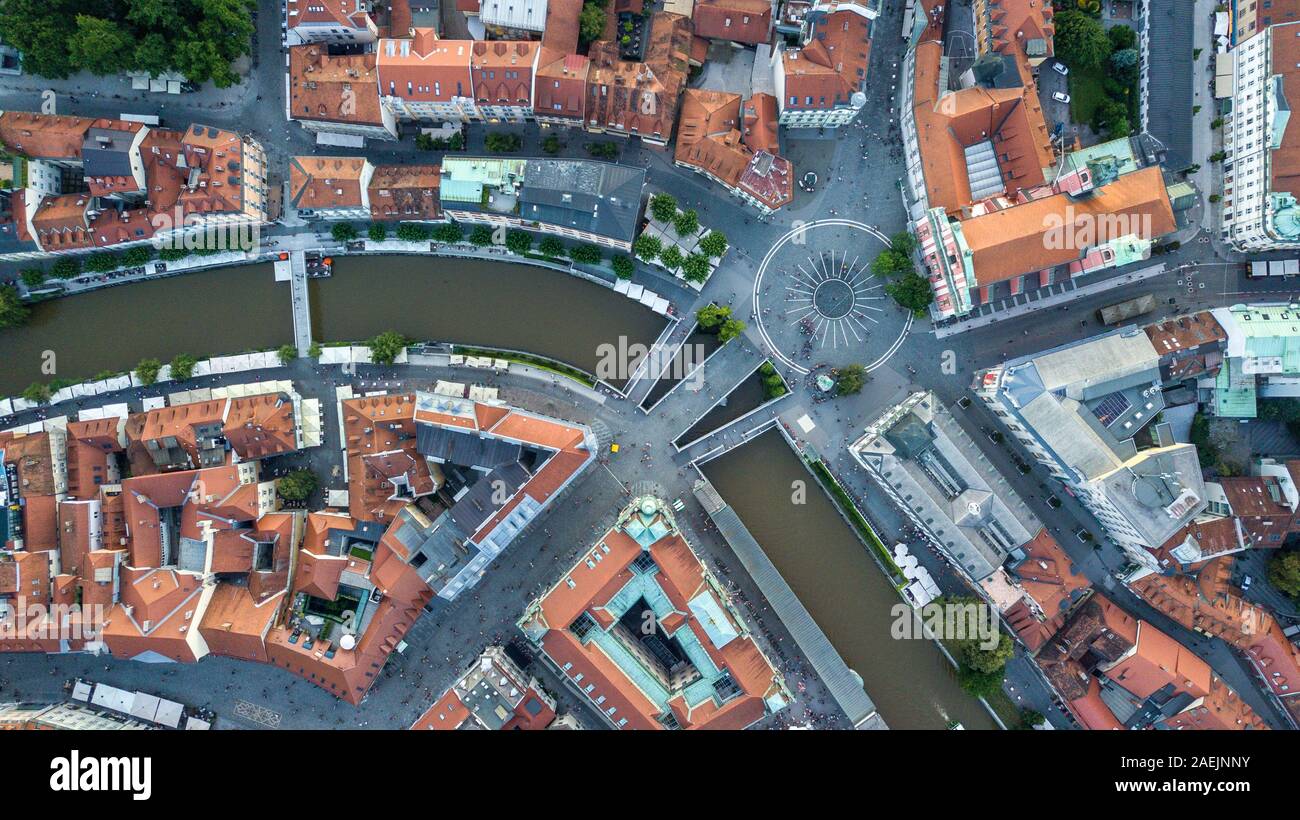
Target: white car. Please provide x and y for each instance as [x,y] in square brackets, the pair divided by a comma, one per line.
[1060,96]
[1060,68]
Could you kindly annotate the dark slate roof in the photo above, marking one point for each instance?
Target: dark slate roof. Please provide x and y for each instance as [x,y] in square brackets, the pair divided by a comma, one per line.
[598,197]
[476,506]
[463,448]
[106,152]
[1170,79]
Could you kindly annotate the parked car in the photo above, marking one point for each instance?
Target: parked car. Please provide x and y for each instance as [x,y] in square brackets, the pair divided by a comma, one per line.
[1060,96]
[1246,582]
[1060,68]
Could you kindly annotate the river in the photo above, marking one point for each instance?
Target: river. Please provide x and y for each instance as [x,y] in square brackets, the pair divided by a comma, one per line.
[829,569]
[233,310]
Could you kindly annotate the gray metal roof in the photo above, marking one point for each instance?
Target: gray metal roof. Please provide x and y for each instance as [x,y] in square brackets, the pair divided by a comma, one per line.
[465,449]
[597,197]
[477,505]
[106,152]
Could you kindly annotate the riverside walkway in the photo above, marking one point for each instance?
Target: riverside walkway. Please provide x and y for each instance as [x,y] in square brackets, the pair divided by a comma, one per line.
[843,684]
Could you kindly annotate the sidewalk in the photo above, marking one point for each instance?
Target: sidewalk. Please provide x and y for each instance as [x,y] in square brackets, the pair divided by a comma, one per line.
[1054,299]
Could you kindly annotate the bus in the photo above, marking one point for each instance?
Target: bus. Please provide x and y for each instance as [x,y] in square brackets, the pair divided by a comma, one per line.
[1260,269]
[1123,311]
[147,119]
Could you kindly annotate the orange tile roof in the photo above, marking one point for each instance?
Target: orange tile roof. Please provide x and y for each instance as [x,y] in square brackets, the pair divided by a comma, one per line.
[590,585]
[1017,240]
[562,24]
[1012,23]
[340,13]
[561,83]
[831,66]
[1284,161]
[1158,660]
[379,437]
[327,182]
[741,21]
[1221,709]
[333,88]
[709,139]
[503,72]
[948,123]
[405,192]
[640,98]
[431,70]
[235,625]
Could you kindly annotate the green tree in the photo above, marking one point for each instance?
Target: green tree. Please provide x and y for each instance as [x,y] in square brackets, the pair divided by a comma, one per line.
[315,350]
[890,262]
[902,243]
[714,244]
[377,232]
[647,247]
[773,384]
[1125,59]
[912,291]
[287,354]
[33,277]
[552,145]
[147,371]
[137,256]
[602,150]
[1121,37]
[987,660]
[712,316]
[182,365]
[66,267]
[12,310]
[663,207]
[343,232]
[591,22]
[979,684]
[1284,572]
[387,346]
[502,143]
[102,262]
[481,236]
[550,247]
[448,232]
[1080,40]
[850,379]
[297,485]
[410,232]
[152,54]
[586,254]
[696,268]
[1029,718]
[730,329]
[671,258]
[520,242]
[686,223]
[623,266]
[99,46]
[39,29]
[37,392]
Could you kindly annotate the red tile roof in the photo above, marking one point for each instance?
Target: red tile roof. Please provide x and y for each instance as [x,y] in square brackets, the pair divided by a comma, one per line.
[741,21]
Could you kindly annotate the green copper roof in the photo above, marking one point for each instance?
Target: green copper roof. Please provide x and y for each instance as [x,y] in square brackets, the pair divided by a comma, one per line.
[1234,394]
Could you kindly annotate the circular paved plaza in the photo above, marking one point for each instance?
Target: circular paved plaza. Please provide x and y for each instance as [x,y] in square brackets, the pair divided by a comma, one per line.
[816,300]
